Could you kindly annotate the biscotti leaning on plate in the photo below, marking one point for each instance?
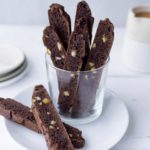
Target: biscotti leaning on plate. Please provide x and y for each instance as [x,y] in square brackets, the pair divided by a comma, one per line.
[18,113]
[21,114]
[76,52]
[48,121]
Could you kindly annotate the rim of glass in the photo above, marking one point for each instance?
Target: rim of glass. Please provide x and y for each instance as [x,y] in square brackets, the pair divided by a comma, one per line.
[59,69]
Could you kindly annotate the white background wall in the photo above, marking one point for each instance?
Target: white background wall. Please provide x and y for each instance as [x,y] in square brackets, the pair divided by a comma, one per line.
[35,11]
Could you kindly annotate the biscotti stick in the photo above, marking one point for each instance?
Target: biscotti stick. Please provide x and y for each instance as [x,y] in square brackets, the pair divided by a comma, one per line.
[100,51]
[81,27]
[18,113]
[23,115]
[48,121]
[54,47]
[98,56]
[83,24]
[101,46]
[83,10]
[74,62]
[59,18]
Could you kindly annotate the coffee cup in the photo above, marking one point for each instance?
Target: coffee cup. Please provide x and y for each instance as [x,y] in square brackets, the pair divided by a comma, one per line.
[136,49]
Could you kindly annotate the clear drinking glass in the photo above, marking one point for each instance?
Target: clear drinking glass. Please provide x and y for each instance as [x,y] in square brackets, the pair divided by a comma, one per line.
[78,96]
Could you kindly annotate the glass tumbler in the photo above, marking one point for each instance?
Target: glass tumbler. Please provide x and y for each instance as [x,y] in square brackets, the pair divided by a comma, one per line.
[78,96]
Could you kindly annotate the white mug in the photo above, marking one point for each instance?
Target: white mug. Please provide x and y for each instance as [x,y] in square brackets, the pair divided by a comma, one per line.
[136,49]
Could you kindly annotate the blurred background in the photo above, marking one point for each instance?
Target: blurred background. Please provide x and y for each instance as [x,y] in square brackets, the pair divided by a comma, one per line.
[34,12]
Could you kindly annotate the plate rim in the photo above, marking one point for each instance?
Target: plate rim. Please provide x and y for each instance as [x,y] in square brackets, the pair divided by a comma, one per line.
[19,74]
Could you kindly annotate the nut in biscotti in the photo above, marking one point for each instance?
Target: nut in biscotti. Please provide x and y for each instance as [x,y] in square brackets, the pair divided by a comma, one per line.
[48,51]
[33,100]
[51,127]
[72,75]
[104,38]
[94,45]
[46,101]
[63,56]
[91,64]
[58,58]
[38,98]
[59,46]
[66,93]
[48,113]
[53,122]
[73,53]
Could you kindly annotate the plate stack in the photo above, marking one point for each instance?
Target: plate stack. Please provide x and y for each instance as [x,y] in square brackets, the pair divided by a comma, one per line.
[12,62]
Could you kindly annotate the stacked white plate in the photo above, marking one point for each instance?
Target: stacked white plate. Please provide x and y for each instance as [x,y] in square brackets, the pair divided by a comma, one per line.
[12,62]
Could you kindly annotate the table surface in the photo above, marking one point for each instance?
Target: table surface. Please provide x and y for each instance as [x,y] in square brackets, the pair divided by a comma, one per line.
[132,87]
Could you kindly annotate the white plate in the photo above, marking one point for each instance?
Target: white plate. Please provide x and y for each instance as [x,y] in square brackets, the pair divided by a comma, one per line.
[17,75]
[103,133]
[14,73]
[10,58]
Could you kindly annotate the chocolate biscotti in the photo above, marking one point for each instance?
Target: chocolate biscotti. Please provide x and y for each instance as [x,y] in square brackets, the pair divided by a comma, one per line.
[101,46]
[54,47]
[59,18]
[23,115]
[49,121]
[83,10]
[84,25]
[81,27]
[74,62]
[18,113]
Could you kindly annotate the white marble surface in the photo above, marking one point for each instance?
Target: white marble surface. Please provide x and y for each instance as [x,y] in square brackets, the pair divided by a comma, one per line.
[134,88]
